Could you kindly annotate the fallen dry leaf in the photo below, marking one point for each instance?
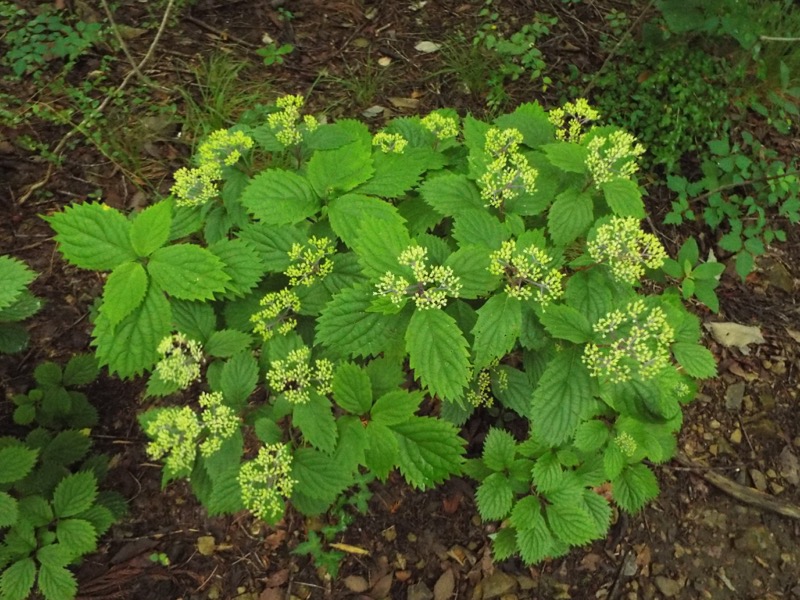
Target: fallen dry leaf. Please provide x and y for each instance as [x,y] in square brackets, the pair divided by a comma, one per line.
[445,586]
[381,588]
[356,583]
[735,335]
[350,549]
[206,545]
[409,103]
[427,47]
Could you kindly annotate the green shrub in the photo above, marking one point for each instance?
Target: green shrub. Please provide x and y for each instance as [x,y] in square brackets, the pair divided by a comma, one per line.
[17,303]
[351,311]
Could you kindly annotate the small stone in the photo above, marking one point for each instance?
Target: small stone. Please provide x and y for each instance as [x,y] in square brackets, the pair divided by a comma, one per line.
[734,395]
[736,436]
[715,424]
[759,481]
[789,466]
[669,587]
[419,591]
[497,584]
[776,488]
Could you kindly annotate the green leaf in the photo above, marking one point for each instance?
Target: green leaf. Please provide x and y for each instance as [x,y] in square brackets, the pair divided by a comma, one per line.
[571,523]
[272,243]
[567,156]
[77,535]
[623,197]
[471,265]
[56,582]
[93,236]
[238,379]
[340,170]
[591,435]
[13,338]
[530,119]
[514,390]
[315,421]
[278,197]
[599,510]
[494,497]
[566,323]
[570,216]
[74,494]
[352,389]
[397,406]
[222,469]
[547,472]
[319,475]
[241,263]
[592,293]
[80,370]
[99,517]
[124,291]
[563,396]
[8,510]
[613,461]
[379,244]
[634,487]
[386,373]
[130,348]
[16,462]
[66,448]
[499,449]
[48,374]
[744,264]
[451,194]
[695,359]
[347,212]
[497,328]
[535,543]
[395,174]
[16,276]
[194,319]
[504,543]
[150,229]
[479,228]
[227,342]
[188,272]
[384,450]
[17,580]
[25,305]
[438,353]
[430,451]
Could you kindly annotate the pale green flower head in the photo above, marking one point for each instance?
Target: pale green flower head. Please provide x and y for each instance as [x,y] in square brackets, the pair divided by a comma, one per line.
[626,444]
[276,316]
[479,393]
[429,287]
[219,421]
[443,127]
[174,433]
[310,261]
[195,187]
[266,480]
[626,249]
[529,272]
[295,378]
[224,148]
[285,122]
[570,119]
[613,157]
[509,173]
[390,143]
[180,362]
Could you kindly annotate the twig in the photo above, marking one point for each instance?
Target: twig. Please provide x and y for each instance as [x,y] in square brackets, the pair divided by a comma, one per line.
[99,110]
[223,35]
[769,38]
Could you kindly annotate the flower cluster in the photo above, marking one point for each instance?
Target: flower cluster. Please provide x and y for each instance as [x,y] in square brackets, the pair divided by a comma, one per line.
[613,157]
[219,420]
[570,119]
[174,433]
[390,142]
[431,285]
[480,393]
[310,262]
[441,126]
[180,360]
[284,123]
[266,480]
[224,147]
[295,378]
[626,444]
[527,271]
[631,342]
[275,316]
[508,173]
[626,249]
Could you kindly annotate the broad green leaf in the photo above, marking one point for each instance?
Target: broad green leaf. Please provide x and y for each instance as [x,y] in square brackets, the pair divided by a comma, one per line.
[315,421]
[562,397]
[494,497]
[571,523]
[567,156]
[273,242]
[17,580]
[430,451]
[24,305]
[16,276]
[227,342]
[613,461]
[696,360]
[499,449]
[319,475]
[535,543]
[56,582]
[66,448]
[347,212]
[93,236]
[451,194]
[513,388]
[185,221]
[634,487]
[188,272]
[16,462]
[566,323]
[238,379]
[48,374]
[328,137]
[395,174]
[592,293]
[547,472]
[530,119]
[124,291]
[222,467]
[241,263]
[277,197]
[497,329]
[504,543]
[74,494]
[352,389]
[99,517]
[744,264]
[386,374]
[77,535]
[8,510]
[194,319]
[476,226]
[130,348]
[339,170]
[383,450]
[599,509]
[570,216]
[378,245]
[623,197]
[53,555]
[80,370]
[471,265]
[591,435]
[150,229]
[13,338]
[527,513]
[438,353]
[395,407]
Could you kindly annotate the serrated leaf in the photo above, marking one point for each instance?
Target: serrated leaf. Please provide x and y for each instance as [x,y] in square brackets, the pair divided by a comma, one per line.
[504,543]
[81,370]
[395,174]
[430,451]
[124,291]
[514,390]
[194,319]
[319,475]
[272,243]
[347,212]
[599,509]
[17,580]
[25,305]
[315,421]
[340,170]
[378,245]
[77,535]
[383,450]
[438,353]
[238,379]
[547,472]
[8,510]
[497,328]
[277,197]
[16,462]
[635,486]
[623,198]
[527,513]
[74,494]
[16,276]
[570,216]
[613,461]
[48,374]
[222,468]
[451,194]
[562,397]
[566,323]
[535,543]
[471,265]
[478,227]
[499,449]
[188,272]
[56,582]
[592,293]
[100,518]
[695,359]
[591,435]
[93,236]
[567,156]
[571,523]
[530,119]
[241,263]
[13,338]
[352,389]
[66,448]
[494,497]
[397,406]
[150,229]
[227,342]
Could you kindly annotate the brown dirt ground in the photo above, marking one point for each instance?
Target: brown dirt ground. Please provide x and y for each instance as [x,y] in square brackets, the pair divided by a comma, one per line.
[692,542]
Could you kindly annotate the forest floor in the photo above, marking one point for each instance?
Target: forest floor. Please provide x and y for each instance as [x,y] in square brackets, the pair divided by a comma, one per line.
[358,59]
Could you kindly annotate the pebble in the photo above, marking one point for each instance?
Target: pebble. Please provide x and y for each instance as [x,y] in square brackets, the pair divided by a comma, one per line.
[669,587]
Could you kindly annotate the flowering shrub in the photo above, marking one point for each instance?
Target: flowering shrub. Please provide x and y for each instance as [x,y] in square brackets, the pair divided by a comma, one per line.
[441,262]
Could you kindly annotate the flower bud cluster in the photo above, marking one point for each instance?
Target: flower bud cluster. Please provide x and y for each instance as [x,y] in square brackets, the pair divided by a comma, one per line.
[174,433]
[431,285]
[509,173]
[632,342]
[276,314]
[295,378]
[626,444]
[180,360]
[441,126]
[570,119]
[390,143]
[527,272]
[613,157]
[310,262]
[480,393]
[224,148]
[626,249]
[219,420]
[266,480]
[285,122]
